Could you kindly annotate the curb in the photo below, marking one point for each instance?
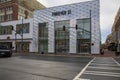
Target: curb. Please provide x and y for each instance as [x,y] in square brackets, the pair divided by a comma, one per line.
[64,55]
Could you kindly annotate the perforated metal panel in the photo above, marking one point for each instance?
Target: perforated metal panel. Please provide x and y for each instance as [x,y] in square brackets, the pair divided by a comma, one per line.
[77,11]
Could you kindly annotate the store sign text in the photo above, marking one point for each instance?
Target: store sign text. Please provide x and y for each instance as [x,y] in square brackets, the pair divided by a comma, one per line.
[59,13]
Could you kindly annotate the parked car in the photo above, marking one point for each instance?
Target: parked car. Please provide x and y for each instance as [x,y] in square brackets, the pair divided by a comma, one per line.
[5,52]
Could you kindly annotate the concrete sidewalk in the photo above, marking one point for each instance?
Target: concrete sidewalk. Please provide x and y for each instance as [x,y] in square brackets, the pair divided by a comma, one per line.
[109,53]
[53,54]
[106,54]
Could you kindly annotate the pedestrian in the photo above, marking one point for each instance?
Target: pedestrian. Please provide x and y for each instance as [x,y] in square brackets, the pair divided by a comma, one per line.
[102,51]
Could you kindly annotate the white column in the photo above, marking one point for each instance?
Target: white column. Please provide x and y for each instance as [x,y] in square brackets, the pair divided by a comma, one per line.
[51,38]
[73,36]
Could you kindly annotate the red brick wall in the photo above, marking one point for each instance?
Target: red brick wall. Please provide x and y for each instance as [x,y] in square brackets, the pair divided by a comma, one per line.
[15,12]
[14,5]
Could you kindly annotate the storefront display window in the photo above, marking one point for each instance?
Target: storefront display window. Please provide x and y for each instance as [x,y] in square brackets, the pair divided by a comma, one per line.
[43,37]
[83,35]
[62,36]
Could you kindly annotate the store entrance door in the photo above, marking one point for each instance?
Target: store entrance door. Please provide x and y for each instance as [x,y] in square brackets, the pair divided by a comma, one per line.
[25,47]
[83,46]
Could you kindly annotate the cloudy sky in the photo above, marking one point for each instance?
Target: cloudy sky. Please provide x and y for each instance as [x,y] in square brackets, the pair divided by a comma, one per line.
[108,10]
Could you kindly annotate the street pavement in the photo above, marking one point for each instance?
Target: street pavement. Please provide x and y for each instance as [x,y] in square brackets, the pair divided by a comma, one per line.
[35,67]
[54,67]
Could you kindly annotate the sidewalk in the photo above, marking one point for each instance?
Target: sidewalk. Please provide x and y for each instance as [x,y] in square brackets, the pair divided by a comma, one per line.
[106,54]
[53,54]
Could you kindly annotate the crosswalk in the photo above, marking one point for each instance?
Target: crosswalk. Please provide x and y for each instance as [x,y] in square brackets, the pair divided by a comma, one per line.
[101,68]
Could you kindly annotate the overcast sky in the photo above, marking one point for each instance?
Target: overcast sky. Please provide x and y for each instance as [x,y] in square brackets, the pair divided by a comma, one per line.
[108,11]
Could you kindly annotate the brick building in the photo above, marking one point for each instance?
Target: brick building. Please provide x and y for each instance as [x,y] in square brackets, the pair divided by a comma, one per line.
[18,9]
[114,37]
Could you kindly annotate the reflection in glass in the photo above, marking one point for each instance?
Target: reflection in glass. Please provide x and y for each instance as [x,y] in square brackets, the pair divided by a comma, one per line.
[83,35]
[43,37]
[61,36]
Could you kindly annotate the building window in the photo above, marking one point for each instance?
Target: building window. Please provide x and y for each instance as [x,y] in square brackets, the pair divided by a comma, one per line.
[20,17]
[21,10]
[2,18]
[4,1]
[9,9]
[5,30]
[30,15]
[9,16]
[43,37]
[2,11]
[83,28]
[83,35]
[62,36]
[22,28]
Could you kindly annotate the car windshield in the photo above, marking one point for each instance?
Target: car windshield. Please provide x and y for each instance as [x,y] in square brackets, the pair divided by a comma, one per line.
[3,47]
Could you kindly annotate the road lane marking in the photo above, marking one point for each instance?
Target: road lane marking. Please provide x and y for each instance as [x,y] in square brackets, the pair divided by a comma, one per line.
[83,79]
[110,65]
[107,68]
[102,74]
[82,71]
[103,62]
[115,61]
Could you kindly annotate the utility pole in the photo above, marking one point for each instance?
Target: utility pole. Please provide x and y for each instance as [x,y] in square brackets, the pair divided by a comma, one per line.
[15,42]
[90,32]
[22,37]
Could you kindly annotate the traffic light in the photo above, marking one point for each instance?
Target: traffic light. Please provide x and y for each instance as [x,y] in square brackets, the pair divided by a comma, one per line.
[76,26]
[12,27]
[63,28]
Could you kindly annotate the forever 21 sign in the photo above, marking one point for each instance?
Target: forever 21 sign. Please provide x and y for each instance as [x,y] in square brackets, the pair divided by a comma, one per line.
[59,13]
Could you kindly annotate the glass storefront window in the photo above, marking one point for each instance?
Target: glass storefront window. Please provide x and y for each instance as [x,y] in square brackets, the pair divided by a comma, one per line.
[61,36]
[83,28]
[43,37]
[24,47]
[83,35]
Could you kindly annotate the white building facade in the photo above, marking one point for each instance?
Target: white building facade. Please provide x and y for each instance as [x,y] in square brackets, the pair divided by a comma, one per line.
[11,35]
[73,28]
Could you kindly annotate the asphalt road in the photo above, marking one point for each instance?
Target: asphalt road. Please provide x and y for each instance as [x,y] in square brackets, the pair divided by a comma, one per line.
[41,67]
